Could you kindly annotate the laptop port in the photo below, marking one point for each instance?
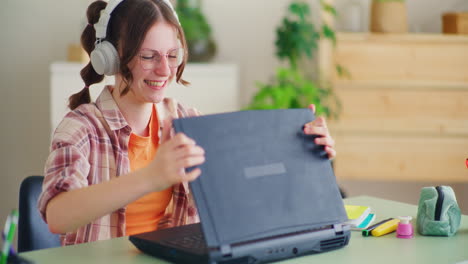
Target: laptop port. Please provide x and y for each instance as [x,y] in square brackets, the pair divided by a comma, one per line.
[294,251]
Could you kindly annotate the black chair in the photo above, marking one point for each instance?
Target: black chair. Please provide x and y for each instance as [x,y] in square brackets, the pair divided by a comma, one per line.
[33,232]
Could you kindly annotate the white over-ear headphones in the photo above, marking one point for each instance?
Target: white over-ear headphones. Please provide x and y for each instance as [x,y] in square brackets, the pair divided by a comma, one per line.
[105,58]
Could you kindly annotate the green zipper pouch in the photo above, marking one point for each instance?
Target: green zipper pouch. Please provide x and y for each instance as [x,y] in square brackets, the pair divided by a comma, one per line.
[438,212]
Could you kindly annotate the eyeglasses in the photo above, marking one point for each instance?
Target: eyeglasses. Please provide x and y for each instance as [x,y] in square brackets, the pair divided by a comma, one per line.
[150,59]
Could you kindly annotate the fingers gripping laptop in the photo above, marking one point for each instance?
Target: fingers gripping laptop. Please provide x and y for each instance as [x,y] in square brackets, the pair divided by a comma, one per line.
[266,193]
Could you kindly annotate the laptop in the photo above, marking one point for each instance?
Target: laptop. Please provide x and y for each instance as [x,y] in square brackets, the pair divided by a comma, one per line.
[267,192]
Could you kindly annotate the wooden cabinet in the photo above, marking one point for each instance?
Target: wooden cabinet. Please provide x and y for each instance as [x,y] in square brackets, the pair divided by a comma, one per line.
[405,108]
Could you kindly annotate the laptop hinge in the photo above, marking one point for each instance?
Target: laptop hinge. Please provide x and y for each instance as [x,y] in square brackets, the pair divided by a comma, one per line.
[338,229]
[226,250]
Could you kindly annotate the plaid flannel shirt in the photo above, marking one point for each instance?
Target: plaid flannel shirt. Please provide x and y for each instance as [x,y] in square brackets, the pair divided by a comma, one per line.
[90,146]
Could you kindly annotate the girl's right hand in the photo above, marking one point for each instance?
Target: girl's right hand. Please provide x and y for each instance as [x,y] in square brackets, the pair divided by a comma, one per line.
[172,157]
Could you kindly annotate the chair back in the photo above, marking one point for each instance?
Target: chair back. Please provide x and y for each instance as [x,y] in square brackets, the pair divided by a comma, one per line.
[33,232]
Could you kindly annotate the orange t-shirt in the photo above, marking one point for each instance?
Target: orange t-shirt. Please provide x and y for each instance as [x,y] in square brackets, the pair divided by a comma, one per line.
[144,214]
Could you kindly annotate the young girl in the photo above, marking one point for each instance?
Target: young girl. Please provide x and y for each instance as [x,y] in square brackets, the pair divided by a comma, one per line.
[115,169]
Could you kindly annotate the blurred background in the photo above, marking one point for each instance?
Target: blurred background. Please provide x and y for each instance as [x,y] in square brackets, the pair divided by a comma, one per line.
[402,88]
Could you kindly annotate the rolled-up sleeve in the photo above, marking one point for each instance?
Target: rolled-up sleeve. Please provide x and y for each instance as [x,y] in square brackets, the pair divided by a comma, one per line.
[67,166]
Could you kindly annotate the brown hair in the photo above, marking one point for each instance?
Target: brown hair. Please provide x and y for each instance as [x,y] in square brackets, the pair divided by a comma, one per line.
[127,28]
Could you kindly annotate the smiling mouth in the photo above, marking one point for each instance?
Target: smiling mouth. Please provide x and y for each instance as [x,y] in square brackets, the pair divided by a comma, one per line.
[158,84]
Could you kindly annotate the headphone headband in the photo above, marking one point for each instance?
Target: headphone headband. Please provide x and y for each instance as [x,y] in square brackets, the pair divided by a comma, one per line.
[101,25]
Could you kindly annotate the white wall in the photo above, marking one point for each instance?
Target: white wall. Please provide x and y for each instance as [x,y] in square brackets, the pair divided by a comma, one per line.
[36,33]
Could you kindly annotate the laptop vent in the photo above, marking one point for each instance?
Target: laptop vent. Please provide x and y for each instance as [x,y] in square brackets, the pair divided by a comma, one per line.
[242,260]
[332,243]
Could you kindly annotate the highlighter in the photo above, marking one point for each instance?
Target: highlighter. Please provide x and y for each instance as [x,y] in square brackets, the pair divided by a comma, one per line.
[385,228]
[367,232]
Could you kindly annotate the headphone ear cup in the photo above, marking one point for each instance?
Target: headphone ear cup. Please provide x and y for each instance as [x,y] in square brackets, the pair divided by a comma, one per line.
[105,59]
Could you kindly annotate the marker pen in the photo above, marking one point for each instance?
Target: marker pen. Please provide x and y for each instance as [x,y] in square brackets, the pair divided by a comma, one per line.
[367,232]
[9,233]
[386,228]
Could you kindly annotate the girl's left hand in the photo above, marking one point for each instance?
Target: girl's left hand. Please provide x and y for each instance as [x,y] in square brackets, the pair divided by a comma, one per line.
[319,127]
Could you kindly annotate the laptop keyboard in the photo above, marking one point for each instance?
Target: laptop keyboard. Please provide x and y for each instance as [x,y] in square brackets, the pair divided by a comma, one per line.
[192,241]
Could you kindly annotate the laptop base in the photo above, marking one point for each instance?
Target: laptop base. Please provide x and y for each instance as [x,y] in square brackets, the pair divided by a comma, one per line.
[169,244]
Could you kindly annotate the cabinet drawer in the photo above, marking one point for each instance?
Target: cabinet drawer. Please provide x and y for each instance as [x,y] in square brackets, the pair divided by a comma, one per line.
[401,158]
[410,57]
[425,111]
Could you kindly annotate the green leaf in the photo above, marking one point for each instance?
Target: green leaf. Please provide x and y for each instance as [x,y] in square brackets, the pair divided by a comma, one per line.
[328,8]
[342,71]
[329,33]
[193,22]
[297,39]
[299,9]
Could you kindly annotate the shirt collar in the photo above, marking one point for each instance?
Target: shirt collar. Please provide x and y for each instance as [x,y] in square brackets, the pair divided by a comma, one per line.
[110,110]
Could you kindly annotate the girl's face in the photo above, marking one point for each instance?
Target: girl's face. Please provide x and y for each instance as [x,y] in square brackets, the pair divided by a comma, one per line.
[155,64]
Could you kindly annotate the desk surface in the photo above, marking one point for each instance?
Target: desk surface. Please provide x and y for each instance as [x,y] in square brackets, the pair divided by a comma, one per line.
[386,249]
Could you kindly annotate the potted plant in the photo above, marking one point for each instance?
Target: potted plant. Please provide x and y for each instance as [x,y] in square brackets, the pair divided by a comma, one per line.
[297,39]
[201,46]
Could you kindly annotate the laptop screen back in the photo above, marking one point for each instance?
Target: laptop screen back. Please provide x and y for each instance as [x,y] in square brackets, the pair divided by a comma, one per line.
[262,176]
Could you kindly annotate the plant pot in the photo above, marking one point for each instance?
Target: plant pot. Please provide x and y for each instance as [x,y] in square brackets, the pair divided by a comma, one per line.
[389,17]
[202,50]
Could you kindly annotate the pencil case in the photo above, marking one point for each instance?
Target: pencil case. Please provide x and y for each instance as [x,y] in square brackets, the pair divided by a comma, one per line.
[438,212]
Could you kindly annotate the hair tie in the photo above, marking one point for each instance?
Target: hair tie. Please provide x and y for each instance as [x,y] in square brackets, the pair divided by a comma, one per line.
[86,87]
[89,24]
